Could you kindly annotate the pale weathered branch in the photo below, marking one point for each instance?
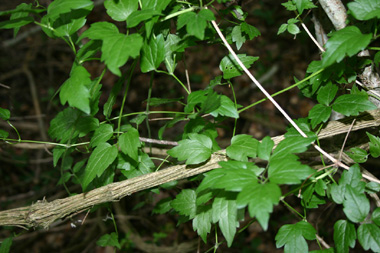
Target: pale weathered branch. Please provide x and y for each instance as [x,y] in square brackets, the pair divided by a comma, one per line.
[43,213]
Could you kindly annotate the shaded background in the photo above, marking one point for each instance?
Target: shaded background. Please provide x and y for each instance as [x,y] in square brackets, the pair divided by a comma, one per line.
[39,64]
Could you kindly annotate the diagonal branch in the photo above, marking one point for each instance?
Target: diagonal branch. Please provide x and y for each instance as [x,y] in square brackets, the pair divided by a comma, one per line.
[43,213]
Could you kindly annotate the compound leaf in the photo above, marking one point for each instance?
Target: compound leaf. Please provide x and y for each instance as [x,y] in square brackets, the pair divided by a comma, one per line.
[195,22]
[242,146]
[352,104]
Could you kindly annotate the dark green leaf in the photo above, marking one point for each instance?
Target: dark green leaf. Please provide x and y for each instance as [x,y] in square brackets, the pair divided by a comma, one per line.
[327,93]
[194,150]
[109,240]
[376,216]
[346,42]
[202,223]
[260,199]
[62,127]
[4,114]
[75,90]
[185,203]
[292,236]
[288,170]
[86,124]
[365,9]
[16,23]
[344,235]
[374,145]
[6,245]
[153,53]
[101,135]
[102,157]
[119,10]
[107,108]
[242,146]
[231,68]
[59,7]
[291,145]
[318,114]
[358,155]
[163,206]
[129,143]
[88,50]
[356,205]
[369,237]
[351,105]
[3,134]
[162,101]
[250,30]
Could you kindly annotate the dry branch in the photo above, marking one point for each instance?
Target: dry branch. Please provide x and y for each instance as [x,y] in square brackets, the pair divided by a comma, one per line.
[43,213]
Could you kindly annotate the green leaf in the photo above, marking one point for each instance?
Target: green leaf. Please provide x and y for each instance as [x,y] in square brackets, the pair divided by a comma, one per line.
[372,187]
[88,50]
[102,157]
[22,11]
[231,68]
[242,146]
[227,108]
[237,36]
[195,22]
[292,236]
[369,237]
[319,113]
[344,235]
[265,148]
[293,29]
[6,245]
[291,145]
[62,127]
[327,93]
[75,90]
[224,211]
[303,4]
[358,155]
[347,41]
[107,108]
[233,176]
[194,150]
[185,203]
[59,7]
[162,206]
[202,224]
[374,145]
[352,105]
[119,10]
[139,16]
[109,240]
[260,199]
[365,9]
[356,205]
[100,31]
[5,114]
[153,53]
[376,216]
[250,30]
[129,143]
[3,134]
[162,101]
[102,134]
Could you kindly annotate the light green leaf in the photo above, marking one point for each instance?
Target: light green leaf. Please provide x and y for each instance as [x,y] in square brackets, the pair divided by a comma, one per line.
[139,16]
[237,36]
[346,42]
[356,205]
[318,114]
[185,203]
[265,148]
[291,145]
[351,105]
[374,145]
[224,211]
[231,68]
[100,31]
[194,150]
[109,240]
[242,146]
[365,9]
[369,237]
[195,22]
[202,224]
[344,235]
[326,94]
[102,134]
[152,54]
[4,114]
[102,157]
[293,29]
[292,236]
[119,10]
[230,179]
[58,7]
[227,108]
[129,143]
[75,90]
[250,30]
[303,4]
[260,199]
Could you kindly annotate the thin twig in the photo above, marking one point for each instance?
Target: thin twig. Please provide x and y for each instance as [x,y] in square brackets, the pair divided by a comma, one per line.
[345,140]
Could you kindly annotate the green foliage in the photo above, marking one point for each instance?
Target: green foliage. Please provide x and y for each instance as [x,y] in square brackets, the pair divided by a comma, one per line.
[154,35]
